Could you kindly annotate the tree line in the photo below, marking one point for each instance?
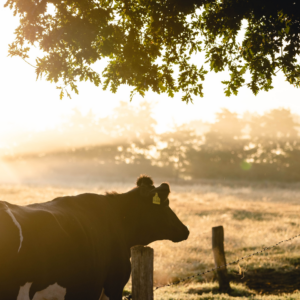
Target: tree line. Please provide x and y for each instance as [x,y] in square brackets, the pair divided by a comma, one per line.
[252,146]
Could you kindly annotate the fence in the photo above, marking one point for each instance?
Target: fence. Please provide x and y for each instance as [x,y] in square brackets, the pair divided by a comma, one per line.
[142,267]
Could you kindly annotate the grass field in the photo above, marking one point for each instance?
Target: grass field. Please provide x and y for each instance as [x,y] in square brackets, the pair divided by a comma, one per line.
[254,215]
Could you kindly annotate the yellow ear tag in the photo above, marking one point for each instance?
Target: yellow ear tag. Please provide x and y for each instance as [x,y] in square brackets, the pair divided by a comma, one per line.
[156,199]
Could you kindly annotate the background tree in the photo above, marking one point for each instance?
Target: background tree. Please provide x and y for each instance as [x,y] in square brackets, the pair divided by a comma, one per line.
[255,147]
[133,129]
[144,41]
[223,151]
[177,144]
[276,144]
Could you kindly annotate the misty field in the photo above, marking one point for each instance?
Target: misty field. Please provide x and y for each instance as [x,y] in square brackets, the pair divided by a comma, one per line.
[254,215]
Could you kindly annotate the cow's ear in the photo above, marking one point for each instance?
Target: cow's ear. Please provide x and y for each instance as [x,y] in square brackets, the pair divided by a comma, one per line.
[160,194]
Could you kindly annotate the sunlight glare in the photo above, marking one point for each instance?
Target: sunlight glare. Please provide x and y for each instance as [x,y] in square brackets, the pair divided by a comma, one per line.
[35,105]
[7,174]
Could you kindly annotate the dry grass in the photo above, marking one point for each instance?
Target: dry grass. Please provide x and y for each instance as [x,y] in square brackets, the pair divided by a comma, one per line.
[253,216]
[209,291]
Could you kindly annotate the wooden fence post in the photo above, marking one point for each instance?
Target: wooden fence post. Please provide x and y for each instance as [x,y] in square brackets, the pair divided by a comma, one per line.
[219,256]
[142,273]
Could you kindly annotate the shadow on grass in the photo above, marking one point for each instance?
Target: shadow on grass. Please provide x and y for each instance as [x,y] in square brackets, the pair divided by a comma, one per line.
[271,281]
[240,215]
[256,216]
[235,292]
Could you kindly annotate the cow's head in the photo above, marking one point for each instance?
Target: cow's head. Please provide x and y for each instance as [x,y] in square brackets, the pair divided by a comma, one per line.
[155,219]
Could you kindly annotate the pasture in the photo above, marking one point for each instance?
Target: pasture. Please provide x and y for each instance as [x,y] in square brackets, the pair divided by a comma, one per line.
[254,215]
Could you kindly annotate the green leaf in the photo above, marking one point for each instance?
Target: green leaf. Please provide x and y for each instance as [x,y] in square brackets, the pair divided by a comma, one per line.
[61,95]
[287,29]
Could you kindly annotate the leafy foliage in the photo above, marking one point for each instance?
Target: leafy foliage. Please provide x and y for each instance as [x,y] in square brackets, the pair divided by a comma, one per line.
[149,44]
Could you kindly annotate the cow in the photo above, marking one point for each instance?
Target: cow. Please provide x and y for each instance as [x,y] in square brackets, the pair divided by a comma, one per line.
[76,247]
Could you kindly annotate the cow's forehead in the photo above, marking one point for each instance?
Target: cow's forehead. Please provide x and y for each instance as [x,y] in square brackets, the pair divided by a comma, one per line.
[155,195]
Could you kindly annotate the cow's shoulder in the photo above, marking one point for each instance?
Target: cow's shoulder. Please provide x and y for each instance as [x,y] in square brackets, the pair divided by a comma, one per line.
[82,211]
[3,205]
[82,202]
[69,202]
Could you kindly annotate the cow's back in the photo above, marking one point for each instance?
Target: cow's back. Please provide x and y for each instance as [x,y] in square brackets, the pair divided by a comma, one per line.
[65,241]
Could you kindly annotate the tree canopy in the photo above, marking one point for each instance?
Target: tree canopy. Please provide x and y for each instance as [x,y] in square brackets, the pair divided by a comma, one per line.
[150,44]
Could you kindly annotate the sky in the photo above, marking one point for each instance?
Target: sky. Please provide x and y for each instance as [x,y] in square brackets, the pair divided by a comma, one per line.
[29,104]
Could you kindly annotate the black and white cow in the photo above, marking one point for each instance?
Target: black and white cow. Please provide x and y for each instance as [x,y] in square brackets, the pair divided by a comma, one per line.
[73,247]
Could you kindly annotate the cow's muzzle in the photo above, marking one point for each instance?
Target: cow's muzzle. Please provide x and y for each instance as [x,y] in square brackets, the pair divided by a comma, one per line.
[181,235]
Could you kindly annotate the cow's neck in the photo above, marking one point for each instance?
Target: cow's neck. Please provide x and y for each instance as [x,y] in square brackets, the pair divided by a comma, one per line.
[127,212]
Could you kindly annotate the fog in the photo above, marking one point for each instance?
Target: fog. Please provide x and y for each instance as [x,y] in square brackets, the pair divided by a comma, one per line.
[119,147]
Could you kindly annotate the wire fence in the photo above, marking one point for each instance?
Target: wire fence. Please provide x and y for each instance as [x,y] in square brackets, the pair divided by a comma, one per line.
[219,267]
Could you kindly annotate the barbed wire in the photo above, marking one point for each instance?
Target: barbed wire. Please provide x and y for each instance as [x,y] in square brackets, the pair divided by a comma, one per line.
[219,267]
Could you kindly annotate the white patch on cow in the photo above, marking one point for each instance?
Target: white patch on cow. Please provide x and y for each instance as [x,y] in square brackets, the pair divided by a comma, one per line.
[52,292]
[24,291]
[17,224]
[103,296]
